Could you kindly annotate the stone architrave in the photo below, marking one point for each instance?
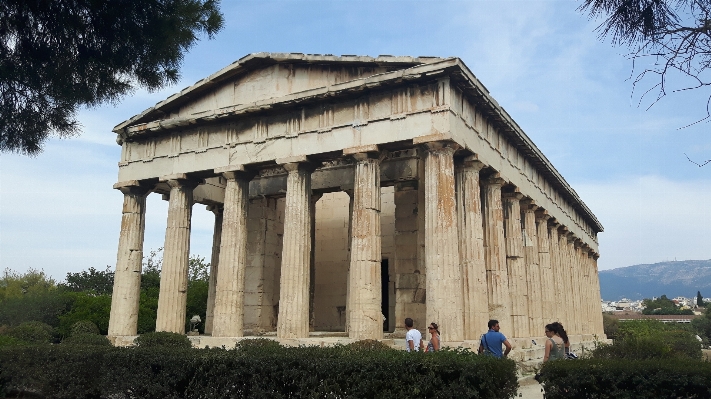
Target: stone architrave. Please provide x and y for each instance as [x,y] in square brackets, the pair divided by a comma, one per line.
[533,269]
[366,319]
[229,294]
[293,320]
[547,277]
[444,273]
[214,262]
[471,248]
[518,287]
[172,297]
[129,262]
[497,275]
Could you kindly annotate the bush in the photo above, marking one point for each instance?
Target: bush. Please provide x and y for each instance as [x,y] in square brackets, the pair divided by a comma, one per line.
[262,371]
[6,340]
[650,339]
[258,344]
[623,378]
[85,339]
[34,332]
[369,345]
[84,327]
[163,340]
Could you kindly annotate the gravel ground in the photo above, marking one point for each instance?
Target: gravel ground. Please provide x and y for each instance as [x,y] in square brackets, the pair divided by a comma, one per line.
[529,389]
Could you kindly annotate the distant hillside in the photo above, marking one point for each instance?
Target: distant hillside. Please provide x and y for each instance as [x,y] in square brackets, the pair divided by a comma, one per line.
[682,278]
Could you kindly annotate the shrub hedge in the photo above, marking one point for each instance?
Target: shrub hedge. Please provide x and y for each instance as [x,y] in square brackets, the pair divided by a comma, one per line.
[261,371]
[626,379]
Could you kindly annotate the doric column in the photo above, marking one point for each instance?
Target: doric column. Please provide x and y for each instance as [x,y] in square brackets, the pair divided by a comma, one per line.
[559,289]
[579,290]
[568,306]
[547,277]
[366,320]
[497,275]
[293,320]
[471,248]
[129,260]
[586,290]
[533,269]
[312,261]
[172,297]
[518,287]
[214,262]
[229,295]
[597,298]
[444,273]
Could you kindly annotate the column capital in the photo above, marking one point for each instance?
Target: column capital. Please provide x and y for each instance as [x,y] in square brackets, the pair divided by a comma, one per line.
[216,209]
[528,205]
[180,180]
[232,172]
[494,180]
[297,163]
[440,145]
[134,187]
[362,149]
[515,196]
[471,162]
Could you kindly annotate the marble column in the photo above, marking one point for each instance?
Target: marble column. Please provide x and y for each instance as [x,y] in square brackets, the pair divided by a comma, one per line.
[518,287]
[597,298]
[444,273]
[586,289]
[366,319]
[558,287]
[497,275]
[568,306]
[229,295]
[123,319]
[293,321]
[312,261]
[548,303]
[471,248]
[214,262]
[533,269]
[172,297]
[579,290]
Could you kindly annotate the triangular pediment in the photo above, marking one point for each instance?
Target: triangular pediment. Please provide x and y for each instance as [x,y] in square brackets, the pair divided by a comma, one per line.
[263,76]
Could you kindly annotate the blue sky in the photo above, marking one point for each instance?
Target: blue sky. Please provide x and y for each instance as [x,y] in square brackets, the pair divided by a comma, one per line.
[541,60]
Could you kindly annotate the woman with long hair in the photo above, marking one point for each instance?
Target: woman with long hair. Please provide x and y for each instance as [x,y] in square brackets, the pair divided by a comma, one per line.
[434,343]
[555,345]
[561,333]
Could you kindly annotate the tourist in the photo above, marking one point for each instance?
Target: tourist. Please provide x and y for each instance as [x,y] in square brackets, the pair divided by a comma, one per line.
[561,333]
[555,345]
[491,341]
[413,338]
[433,345]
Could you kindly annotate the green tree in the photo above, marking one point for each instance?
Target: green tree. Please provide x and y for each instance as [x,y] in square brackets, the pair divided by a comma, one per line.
[91,280]
[702,325]
[663,306]
[86,306]
[665,37]
[699,299]
[32,296]
[59,55]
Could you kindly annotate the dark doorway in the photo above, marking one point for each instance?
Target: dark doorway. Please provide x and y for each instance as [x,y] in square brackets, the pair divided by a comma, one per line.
[385,302]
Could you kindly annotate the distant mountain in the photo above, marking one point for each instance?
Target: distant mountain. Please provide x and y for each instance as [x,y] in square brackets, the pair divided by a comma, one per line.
[682,278]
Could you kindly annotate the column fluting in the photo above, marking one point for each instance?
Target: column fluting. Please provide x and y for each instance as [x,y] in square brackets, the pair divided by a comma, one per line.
[497,275]
[518,287]
[123,319]
[533,269]
[214,262]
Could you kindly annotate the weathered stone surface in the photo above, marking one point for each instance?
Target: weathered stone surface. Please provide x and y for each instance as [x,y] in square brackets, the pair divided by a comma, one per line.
[127,278]
[444,273]
[533,270]
[229,294]
[214,263]
[497,275]
[471,248]
[366,318]
[172,296]
[293,321]
[518,286]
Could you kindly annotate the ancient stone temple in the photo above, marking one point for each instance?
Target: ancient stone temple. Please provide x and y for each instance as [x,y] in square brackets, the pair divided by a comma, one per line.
[350,193]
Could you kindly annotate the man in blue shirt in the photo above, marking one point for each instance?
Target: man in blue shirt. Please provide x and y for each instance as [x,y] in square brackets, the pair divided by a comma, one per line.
[491,341]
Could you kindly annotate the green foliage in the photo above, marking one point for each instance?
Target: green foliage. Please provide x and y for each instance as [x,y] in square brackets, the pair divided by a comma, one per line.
[610,325]
[627,379]
[259,344]
[699,299]
[84,339]
[59,55]
[84,327]
[6,340]
[86,306]
[90,281]
[16,285]
[34,332]
[163,339]
[702,325]
[650,339]
[369,345]
[663,306]
[262,371]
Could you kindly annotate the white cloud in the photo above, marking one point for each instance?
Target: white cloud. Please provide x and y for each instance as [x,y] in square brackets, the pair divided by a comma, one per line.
[650,219]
